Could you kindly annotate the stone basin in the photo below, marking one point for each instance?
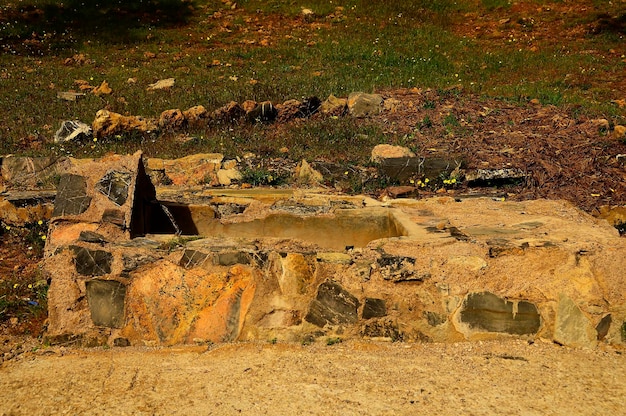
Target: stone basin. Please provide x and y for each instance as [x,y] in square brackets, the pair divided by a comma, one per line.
[299,265]
[345,228]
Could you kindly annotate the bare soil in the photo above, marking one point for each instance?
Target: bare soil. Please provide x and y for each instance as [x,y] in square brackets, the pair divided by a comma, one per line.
[352,378]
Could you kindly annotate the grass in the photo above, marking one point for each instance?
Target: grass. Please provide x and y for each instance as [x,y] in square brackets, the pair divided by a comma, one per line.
[263,50]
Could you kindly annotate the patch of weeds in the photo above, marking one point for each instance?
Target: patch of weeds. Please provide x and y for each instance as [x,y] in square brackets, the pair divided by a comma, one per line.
[24,297]
[273,341]
[371,185]
[333,341]
[262,177]
[450,120]
[35,236]
[429,105]
[307,340]
[623,331]
[426,123]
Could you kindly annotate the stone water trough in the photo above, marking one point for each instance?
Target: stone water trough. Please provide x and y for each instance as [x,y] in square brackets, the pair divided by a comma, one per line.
[134,265]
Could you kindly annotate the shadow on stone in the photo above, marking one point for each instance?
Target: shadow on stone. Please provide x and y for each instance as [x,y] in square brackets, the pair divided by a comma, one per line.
[488,312]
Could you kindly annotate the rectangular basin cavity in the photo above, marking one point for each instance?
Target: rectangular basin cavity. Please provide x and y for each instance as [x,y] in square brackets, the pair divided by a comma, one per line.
[344,228]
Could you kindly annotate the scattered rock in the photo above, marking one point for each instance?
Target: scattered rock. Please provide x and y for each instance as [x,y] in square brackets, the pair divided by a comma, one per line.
[114,216]
[70,95]
[161,84]
[196,116]
[121,342]
[226,176]
[248,105]
[72,130]
[229,164]
[102,89]
[308,15]
[305,174]
[309,106]
[391,105]
[24,207]
[600,124]
[434,318]
[495,177]
[92,237]
[288,110]
[172,120]
[401,192]
[192,258]
[291,109]
[614,215]
[363,105]
[619,132]
[195,169]
[334,106]
[108,123]
[387,151]
[228,113]
[132,262]
[230,258]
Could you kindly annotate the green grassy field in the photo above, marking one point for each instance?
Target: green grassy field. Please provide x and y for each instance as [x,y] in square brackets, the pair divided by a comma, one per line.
[565,53]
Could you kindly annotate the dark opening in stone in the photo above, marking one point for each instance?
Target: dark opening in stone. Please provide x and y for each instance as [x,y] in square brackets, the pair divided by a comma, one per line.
[603,326]
[72,198]
[106,302]
[488,312]
[171,218]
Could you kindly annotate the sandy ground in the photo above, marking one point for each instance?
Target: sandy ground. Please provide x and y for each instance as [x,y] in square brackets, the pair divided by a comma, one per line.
[350,378]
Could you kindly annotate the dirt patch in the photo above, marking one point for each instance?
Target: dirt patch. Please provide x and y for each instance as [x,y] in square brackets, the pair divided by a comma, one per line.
[349,378]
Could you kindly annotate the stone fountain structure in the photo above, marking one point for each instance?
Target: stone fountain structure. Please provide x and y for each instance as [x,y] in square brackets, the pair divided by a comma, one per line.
[131,264]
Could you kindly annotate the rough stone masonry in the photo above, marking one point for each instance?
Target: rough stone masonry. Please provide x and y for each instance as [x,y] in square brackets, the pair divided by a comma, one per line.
[249,265]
